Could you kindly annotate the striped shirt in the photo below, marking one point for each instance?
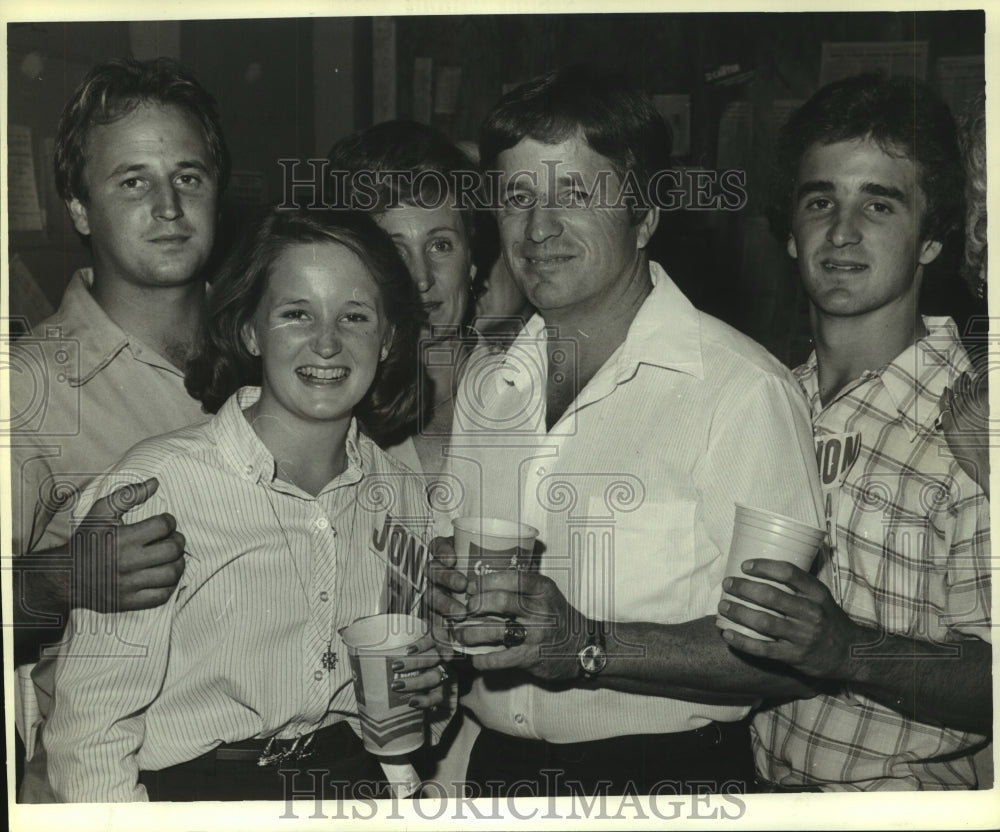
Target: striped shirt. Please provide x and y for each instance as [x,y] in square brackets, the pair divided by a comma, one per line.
[633,490]
[271,575]
[911,558]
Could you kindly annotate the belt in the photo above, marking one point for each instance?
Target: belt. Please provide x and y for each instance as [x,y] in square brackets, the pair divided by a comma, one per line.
[272,751]
[713,735]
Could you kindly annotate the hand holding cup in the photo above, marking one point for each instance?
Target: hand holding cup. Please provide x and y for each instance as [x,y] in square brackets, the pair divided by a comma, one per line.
[485,546]
[758,533]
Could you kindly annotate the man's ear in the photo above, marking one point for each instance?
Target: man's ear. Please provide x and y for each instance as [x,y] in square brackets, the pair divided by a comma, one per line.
[791,248]
[929,250]
[78,213]
[647,226]
[249,335]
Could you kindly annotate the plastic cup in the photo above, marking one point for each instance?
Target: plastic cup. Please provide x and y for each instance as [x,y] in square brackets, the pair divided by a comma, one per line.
[389,726]
[758,533]
[484,545]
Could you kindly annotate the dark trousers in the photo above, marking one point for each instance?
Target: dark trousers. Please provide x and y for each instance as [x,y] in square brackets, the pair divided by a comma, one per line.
[710,760]
[339,768]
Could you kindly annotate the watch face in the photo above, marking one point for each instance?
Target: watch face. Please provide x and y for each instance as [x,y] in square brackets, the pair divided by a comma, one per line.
[593,659]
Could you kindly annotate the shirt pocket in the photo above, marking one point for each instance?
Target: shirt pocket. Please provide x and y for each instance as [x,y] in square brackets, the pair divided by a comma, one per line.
[638,564]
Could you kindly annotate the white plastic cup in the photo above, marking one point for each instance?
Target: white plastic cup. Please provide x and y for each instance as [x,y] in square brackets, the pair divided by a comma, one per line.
[484,545]
[389,726]
[758,533]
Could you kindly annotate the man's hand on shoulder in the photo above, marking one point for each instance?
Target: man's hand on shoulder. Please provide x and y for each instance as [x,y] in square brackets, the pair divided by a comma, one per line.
[118,567]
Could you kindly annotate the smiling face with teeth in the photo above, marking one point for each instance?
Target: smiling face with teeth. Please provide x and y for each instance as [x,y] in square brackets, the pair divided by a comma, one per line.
[319,329]
[856,222]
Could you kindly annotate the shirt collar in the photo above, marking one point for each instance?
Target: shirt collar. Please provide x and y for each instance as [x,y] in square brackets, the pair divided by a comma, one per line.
[82,319]
[666,332]
[100,339]
[917,377]
[245,452]
[914,380]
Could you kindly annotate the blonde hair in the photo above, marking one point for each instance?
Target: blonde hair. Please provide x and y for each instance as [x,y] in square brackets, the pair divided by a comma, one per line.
[972,138]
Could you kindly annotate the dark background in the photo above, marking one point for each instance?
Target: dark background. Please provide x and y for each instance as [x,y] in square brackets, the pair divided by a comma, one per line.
[288,88]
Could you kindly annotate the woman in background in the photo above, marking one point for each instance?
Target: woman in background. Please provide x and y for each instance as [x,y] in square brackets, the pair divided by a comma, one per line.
[419,188]
[965,407]
[418,208]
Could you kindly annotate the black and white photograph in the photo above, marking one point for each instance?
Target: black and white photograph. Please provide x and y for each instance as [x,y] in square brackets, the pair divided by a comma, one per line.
[439,415]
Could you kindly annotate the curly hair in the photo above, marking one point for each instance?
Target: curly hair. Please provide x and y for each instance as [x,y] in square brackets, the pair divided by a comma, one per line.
[112,90]
[903,116]
[972,139]
[223,364]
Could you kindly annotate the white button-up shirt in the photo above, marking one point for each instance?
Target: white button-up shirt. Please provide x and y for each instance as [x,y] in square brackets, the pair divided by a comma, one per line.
[633,490]
[242,647]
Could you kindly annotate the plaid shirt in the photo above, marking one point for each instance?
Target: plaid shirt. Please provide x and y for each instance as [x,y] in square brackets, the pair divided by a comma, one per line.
[910,556]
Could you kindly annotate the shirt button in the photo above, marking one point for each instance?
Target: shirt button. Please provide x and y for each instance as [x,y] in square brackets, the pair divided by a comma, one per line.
[248,470]
[541,471]
[318,675]
[519,719]
[324,596]
[322,522]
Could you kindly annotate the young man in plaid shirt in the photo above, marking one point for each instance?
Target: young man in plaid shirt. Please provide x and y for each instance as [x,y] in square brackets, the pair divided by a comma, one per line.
[895,630]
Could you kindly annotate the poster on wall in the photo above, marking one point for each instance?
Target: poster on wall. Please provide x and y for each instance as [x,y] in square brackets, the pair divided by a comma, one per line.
[25,212]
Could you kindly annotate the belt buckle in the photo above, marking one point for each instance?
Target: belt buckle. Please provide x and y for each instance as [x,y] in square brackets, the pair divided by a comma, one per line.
[298,750]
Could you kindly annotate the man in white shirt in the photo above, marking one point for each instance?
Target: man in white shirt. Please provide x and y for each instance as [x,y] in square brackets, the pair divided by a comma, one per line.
[624,425]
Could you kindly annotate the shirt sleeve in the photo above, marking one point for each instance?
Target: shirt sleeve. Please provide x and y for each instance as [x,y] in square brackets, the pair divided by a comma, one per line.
[29,517]
[110,667]
[44,418]
[967,580]
[760,453]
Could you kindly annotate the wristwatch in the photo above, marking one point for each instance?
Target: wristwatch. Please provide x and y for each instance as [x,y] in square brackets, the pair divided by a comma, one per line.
[593,657]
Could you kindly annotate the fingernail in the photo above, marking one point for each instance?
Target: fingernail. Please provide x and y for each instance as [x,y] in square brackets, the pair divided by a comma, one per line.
[412,649]
[398,685]
[727,635]
[413,703]
[397,666]
[723,606]
[727,583]
[748,565]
